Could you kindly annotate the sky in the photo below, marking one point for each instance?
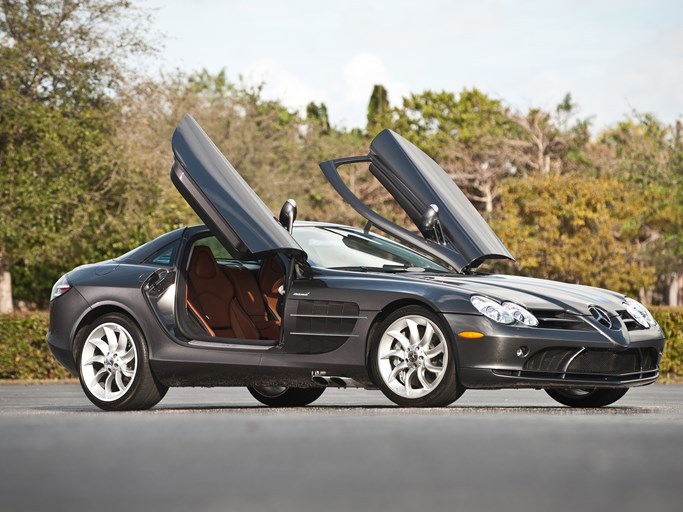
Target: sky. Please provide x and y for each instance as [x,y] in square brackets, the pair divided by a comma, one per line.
[612,56]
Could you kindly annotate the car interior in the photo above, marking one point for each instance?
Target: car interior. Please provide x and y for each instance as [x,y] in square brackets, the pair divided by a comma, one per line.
[234,299]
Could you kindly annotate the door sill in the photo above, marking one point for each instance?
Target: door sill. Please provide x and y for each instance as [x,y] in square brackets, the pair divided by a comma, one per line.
[240,346]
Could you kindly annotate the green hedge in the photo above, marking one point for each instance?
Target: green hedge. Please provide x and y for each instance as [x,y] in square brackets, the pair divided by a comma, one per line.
[671,321]
[24,353]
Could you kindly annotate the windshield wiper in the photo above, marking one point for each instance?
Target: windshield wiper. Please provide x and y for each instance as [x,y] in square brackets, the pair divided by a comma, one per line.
[385,268]
[402,268]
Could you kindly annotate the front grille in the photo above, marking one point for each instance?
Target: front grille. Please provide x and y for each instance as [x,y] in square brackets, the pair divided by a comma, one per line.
[592,360]
[608,361]
[550,359]
[549,319]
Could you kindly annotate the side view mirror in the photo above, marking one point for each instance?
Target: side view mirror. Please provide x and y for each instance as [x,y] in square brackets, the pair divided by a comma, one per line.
[430,217]
[430,225]
[288,214]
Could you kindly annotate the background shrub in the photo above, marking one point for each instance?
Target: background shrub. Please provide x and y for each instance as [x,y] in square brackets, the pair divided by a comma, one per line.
[671,321]
[24,353]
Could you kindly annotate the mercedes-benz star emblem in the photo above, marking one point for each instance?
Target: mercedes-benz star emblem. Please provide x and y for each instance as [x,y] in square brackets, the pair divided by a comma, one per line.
[601,316]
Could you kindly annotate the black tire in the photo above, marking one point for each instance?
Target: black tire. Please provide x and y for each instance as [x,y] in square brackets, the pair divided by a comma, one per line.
[446,387]
[277,396]
[141,390]
[594,397]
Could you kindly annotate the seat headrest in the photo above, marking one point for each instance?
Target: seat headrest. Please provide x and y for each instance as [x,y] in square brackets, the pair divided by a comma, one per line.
[203,264]
[271,270]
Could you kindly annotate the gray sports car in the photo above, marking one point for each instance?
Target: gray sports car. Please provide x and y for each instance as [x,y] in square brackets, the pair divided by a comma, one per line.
[288,309]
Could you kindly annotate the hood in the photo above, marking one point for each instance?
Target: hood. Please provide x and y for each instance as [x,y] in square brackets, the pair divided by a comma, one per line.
[552,302]
[538,294]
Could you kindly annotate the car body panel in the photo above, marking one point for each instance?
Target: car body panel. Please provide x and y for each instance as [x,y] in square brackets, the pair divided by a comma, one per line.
[463,238]
[222,199]
[416,181]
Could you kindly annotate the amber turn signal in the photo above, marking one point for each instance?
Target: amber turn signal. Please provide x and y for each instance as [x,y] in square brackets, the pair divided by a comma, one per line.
[470,334]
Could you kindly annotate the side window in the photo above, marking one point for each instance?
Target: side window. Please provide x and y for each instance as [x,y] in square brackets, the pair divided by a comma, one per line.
[219,252]
[223,256]
[165,256]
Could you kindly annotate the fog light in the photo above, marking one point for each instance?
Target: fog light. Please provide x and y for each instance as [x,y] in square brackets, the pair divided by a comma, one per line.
[522,351]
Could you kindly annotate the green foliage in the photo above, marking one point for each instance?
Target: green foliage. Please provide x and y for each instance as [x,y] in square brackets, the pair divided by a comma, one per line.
[433,120]
[671,322]
[318,113]
[648,156]
[379,111]
[24,353]
[63,63]
[574,230]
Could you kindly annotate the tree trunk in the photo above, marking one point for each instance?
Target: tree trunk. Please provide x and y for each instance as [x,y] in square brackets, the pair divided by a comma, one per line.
[673,289]
[488,194]
[5,291]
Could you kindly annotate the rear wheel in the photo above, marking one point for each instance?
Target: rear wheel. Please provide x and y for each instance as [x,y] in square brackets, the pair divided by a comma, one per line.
[114,366]
[282,396]
[592,397]
[412,361]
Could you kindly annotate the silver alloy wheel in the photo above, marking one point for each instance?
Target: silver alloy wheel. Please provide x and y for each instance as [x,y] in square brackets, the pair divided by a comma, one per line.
[413,356]
[271,391]
[109,361]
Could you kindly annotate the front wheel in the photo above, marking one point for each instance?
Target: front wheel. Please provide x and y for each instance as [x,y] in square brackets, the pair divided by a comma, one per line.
[412,360]
[114,367]
[593,397]
[282,396]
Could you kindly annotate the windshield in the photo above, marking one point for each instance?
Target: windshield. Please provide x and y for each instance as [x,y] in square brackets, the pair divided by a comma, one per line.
[350,249]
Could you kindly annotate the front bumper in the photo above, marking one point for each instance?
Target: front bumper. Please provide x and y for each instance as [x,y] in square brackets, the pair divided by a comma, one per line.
[65,312]
[530,357]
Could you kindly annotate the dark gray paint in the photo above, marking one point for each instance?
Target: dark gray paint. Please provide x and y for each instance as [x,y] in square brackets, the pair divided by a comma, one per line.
[416,181]
[221,197]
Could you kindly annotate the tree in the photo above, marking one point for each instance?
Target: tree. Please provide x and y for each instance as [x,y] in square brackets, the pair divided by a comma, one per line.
[318,113]
[472,136]
[379,112]
[576,230]
[648,156]
[61,65]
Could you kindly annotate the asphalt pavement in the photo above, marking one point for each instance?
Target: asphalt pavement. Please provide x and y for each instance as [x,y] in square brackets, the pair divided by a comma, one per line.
[219,450]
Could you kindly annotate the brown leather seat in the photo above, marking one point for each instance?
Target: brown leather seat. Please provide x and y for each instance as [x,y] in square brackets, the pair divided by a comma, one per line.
[270,278]
[251,320]
[211,296]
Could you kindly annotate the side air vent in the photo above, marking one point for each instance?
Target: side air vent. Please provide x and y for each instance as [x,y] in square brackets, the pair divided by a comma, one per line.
[322,326]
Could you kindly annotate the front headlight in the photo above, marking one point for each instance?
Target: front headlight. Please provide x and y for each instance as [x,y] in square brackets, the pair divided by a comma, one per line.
[60,288]
[505,313]
[520,314]
[639,313]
